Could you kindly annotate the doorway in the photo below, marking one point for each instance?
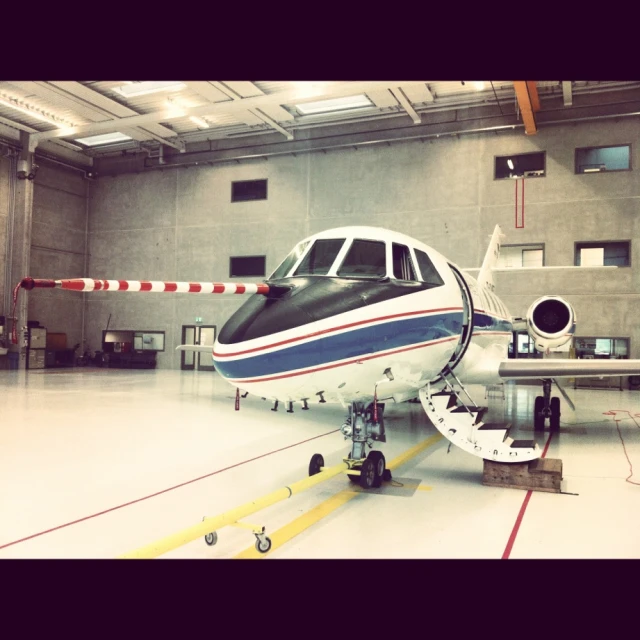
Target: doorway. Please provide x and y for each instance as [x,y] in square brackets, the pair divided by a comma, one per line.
[197,334]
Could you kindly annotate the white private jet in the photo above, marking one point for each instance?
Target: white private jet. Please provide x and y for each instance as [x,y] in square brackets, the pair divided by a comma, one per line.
[363,315]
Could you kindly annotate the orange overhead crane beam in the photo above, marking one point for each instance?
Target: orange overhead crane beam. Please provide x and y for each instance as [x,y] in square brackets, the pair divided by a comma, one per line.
[529,102]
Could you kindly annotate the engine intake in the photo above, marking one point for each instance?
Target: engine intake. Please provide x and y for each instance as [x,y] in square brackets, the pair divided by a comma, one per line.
[551,322]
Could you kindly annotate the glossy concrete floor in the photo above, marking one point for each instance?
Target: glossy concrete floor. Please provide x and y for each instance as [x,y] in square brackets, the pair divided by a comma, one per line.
[97,463]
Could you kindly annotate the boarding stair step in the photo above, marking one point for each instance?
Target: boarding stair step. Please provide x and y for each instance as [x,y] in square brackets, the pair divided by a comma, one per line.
[523,444]
[468,409]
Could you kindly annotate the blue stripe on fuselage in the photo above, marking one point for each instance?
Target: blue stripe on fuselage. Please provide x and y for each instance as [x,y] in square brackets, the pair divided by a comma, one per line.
[358,342]
[349,344]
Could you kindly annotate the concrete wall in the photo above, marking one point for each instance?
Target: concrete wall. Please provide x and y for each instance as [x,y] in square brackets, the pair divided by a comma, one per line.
[5,168]
[180,224]
[58,247]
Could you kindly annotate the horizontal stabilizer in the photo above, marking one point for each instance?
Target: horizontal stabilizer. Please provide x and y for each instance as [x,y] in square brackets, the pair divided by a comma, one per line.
[553,368]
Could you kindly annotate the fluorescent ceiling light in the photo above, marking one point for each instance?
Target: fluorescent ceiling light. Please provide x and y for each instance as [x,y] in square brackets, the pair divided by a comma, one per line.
[591,170]
[334,104]
[203,124]
[104,138]
[14,104]
[479,85]
[151,86]
[510,163]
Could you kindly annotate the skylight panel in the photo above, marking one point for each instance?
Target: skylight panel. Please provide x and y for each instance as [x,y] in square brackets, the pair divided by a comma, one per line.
[151,86]
[104,138]
[334,104]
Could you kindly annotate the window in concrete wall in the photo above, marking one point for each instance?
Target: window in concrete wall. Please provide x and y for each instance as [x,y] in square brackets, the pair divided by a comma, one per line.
[247,266]
[243,190]
[521,165]
[521,255]
[603,254]
[601,348]
[599,159]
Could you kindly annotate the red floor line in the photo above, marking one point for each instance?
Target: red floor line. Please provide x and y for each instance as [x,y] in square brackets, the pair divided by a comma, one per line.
[182,484]
[523,508]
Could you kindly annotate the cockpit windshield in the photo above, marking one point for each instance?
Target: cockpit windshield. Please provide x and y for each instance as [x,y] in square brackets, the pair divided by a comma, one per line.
[365,258]
[289,261]
[319,259]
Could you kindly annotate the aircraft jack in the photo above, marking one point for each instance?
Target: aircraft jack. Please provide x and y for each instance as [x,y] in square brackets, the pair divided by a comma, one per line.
[364,426]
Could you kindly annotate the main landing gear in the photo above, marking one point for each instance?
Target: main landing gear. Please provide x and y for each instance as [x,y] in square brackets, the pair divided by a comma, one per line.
[546,407]
[364,426]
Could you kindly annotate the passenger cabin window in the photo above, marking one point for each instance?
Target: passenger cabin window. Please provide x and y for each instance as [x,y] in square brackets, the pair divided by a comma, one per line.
[402,264]
[289,261]
[365,258]
[427,270]
[319,259]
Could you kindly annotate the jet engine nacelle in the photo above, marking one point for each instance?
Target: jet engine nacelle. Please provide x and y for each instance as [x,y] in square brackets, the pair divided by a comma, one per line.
[550,322]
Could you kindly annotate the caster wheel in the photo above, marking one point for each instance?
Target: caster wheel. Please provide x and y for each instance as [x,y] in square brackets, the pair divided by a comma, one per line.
[263,546]
[368,474]
[317,461]
[538,417]
[554,420]
[211,538]
[379,463]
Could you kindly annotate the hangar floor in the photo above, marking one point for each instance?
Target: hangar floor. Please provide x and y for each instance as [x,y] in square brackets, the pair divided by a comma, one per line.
[96,463]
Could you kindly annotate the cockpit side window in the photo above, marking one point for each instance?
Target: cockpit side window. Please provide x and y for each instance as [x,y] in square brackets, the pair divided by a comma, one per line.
[289,261]
[428,271]
[319,259]
[402,263]
[365,258]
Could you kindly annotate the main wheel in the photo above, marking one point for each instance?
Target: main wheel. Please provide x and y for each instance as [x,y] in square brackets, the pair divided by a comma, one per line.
[377,457]
[211,538]
[554,420]
[368,474]
[317,462]
[538,416]
[263,547]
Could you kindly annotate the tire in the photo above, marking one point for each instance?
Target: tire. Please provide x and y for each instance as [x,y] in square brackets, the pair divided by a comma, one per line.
[211,538]
[379,462]
[263,548]
[317,461]
[538,417]
[554,421]
[368,474]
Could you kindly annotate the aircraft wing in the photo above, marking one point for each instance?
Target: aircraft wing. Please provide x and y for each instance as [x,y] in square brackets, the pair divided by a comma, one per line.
[566,368]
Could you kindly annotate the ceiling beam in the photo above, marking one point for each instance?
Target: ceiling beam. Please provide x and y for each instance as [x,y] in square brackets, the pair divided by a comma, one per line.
[291,96]
[525,102]
[263,116]
[402,99]
[566,93]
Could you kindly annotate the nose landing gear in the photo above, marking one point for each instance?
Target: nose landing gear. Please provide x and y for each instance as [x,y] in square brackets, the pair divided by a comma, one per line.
[364,426]
[546,407]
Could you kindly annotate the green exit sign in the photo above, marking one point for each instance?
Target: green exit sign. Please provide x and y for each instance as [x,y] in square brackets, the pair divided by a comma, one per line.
[198,319]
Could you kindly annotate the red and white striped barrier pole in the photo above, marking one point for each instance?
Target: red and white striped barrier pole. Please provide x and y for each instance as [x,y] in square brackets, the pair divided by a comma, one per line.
[89,284]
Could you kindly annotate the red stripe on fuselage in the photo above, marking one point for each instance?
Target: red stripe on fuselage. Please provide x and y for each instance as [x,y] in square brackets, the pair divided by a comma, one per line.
[342,364]
[325,331]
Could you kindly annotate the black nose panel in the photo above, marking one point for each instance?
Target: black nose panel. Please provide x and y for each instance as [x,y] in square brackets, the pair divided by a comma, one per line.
[308,300]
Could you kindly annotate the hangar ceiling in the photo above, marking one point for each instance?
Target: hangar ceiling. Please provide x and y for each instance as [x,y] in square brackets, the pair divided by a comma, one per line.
[109,127]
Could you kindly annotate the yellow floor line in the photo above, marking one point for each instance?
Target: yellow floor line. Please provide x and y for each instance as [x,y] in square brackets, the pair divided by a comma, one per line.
[291,530]
[300,524]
